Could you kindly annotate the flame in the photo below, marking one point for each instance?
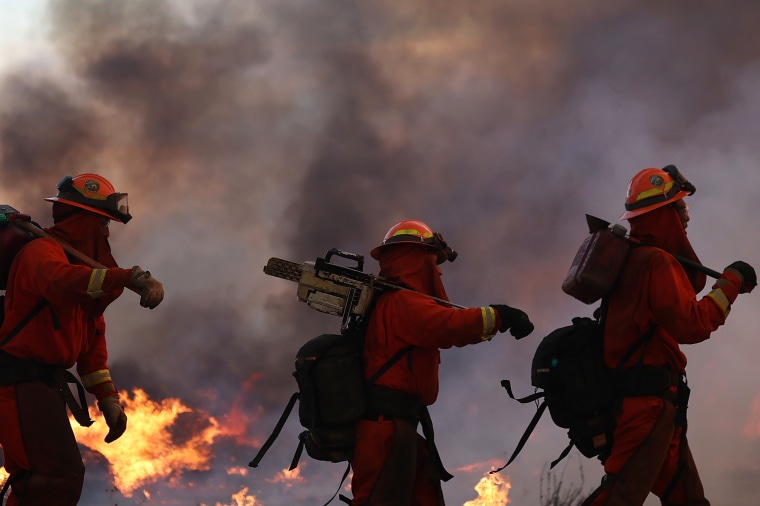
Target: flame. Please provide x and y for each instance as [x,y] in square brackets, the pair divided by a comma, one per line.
[287,477]
[147,452]
[3,476]
[492,491]
[240,471]
[242,499]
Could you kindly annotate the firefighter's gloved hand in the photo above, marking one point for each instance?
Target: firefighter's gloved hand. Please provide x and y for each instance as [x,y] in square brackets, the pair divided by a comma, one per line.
[151,290]
[749,277]
[514,320]
[116,419]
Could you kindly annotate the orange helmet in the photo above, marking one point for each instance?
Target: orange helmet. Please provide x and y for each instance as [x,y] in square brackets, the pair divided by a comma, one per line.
[416,232]
[93,193]
[653,188]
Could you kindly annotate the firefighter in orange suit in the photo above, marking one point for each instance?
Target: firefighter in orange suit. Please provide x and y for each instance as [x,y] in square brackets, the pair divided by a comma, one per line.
[657,296]
[54,320]
[392,464]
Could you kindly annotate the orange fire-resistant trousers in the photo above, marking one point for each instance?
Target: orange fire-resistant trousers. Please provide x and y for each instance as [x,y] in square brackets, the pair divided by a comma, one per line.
[390,466]
[649,454]
[41,453]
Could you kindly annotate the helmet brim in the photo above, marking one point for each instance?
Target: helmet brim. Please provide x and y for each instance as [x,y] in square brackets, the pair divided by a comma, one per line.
[95,210]
[642,210]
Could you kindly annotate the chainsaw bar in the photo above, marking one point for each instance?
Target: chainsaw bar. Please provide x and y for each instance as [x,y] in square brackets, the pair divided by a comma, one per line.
[283,269]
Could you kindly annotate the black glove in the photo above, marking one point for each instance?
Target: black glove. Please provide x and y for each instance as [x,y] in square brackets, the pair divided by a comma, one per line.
[514,320]
[747,273]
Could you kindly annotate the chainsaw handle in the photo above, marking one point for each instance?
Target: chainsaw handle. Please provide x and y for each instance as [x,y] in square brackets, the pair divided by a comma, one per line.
[359,259]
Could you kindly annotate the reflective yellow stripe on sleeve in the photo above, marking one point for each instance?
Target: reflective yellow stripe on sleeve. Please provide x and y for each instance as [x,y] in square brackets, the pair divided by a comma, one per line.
[96,378]
[721,300]
[489,322]
[97,278]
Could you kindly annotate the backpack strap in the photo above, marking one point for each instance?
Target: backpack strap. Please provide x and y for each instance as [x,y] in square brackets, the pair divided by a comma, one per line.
[395,358]
[24,321]
[531,425]
[562,455]
[276,432]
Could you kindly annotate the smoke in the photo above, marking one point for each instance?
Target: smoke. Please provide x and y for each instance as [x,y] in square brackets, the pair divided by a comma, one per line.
[245,130]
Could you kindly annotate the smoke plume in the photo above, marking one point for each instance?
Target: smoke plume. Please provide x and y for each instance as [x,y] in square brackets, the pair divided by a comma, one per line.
[245,130]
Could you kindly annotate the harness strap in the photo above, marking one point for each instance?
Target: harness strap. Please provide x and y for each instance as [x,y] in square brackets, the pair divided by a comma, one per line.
[435,464]
[62,378]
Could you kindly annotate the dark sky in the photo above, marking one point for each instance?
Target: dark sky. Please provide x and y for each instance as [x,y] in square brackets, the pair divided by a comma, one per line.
[244,130]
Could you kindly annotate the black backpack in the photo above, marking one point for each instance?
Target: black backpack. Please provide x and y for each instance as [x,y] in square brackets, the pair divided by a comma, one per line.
[578,389]
[332,396]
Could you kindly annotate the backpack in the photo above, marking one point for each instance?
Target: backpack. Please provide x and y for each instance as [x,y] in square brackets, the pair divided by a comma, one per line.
[332,395]
[576,386]
[12,239]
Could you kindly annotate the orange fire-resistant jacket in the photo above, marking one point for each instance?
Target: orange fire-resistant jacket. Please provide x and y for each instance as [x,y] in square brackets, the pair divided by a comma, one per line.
[71,329]
[654,288]
[403,318]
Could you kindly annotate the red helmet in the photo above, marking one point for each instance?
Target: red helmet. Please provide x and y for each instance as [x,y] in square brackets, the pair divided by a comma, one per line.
[653,188]
[416,232]
[93,193]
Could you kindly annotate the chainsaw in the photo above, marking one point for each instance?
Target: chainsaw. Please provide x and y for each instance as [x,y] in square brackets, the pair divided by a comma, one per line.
[335,289]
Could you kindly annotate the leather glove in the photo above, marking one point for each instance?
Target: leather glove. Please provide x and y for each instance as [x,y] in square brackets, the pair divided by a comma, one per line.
[151,290]
[116,419]
[749,277]
[514,320]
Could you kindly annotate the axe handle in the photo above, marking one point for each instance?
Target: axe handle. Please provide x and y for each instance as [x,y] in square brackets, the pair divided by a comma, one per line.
[699,267]
[68,248]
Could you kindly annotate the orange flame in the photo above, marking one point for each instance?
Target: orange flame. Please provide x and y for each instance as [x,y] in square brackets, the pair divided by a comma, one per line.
[492,491]
[146,452]
[3,476]
[242,499]
[287,477]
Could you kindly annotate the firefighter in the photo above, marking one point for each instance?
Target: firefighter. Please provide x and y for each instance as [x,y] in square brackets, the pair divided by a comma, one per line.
[392,464]
[54,320]
[650,451]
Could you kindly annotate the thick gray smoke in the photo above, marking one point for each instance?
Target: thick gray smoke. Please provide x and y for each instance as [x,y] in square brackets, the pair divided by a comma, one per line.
[244,130]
